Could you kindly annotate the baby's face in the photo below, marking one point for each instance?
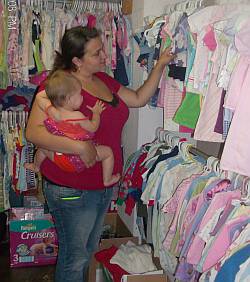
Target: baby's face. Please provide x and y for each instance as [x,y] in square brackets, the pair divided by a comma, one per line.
[47,240]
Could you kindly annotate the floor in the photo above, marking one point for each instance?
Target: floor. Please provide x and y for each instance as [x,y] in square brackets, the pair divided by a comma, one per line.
[29,274]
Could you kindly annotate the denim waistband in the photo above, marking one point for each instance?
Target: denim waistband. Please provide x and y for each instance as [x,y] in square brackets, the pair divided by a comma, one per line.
[53,183]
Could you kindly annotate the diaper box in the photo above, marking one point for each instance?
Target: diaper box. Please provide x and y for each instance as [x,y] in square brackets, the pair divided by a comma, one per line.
[33,242]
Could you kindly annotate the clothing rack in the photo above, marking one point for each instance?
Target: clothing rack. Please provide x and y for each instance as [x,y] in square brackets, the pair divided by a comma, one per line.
[37,2]
[12,118]
[191,5]
[77,5]
[213,163]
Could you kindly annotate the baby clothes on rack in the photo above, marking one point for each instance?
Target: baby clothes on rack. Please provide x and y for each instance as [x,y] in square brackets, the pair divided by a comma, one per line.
[29,49]
[198,214]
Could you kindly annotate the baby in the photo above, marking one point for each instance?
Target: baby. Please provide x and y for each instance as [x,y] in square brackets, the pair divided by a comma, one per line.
[46,247]
[61,103]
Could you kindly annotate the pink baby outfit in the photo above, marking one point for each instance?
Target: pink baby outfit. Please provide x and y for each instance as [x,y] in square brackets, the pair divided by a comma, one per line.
[236,153]
[219,201]
[73,131]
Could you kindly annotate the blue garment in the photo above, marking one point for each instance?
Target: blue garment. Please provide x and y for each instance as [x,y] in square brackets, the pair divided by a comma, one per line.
[146,53]
[18,97]
[231,266]
[191,51]
[161,158]
[153,101]
[120,73]
[128,59]
[78,223]
[172,163]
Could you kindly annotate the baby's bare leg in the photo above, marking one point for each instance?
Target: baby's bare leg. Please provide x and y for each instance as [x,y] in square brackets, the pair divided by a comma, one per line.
[105,155]
[40,156]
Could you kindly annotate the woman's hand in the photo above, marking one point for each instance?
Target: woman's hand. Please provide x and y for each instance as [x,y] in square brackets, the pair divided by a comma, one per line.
[166,57]
[141,96]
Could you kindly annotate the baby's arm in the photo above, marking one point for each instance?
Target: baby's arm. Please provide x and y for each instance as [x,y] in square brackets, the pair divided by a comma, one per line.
[46,106]
[93,124]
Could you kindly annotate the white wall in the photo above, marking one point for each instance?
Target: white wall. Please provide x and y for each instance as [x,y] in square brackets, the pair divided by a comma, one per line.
[142,122]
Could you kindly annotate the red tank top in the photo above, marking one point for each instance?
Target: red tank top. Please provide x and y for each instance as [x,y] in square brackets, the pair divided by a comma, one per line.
[108,133]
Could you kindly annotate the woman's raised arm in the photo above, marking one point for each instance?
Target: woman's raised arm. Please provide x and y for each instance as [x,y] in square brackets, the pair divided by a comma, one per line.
[38,135]
[141,96]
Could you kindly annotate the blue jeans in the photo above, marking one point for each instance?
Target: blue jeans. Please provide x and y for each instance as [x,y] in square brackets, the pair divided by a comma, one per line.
[78,218]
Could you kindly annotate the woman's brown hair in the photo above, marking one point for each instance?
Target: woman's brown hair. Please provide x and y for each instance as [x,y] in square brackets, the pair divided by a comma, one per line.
[73,44]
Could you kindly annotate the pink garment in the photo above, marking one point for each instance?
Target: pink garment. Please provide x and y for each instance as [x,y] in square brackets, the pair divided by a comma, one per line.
[107,37]
[113,55]
[119,34]
[204,130]
[236,153]
[209,39]
[185,129]
[222,243]
[91,21]
[37,79]
[219,201]
[125,38]
[206,196]
[188,217]
[175,205]
[172,96]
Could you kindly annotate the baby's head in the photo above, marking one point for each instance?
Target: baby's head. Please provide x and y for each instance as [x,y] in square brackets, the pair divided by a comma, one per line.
[61,87]
[47,240]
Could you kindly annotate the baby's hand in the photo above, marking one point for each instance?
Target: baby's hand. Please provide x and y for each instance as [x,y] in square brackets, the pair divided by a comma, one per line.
[98,108]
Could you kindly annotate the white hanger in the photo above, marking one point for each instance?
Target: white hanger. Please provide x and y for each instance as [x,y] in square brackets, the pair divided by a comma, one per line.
[208,166]
[162,135]
[120,8]
[199,4]
[78,7]
[216,167]
[175,141]
[245,188]
[158,132]
[155,27]
[184,148]
[82,7]
[14,119]
[54,6]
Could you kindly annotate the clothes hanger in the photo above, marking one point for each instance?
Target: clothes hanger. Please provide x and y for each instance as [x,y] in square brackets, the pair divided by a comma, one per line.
[208,166]
[216,167]
[162,136]
[54,6]
[175,141]
[157,133]
[245,189]
[81,7]
[184,148]
[166,137]
[78,7]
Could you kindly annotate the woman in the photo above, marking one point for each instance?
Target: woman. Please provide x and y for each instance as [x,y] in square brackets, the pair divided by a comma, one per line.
[78,201]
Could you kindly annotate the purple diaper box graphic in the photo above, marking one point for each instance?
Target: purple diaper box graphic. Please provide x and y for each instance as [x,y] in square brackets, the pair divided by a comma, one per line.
[33,242]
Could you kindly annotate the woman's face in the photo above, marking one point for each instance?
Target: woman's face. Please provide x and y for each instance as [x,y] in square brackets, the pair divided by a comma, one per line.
[94,58]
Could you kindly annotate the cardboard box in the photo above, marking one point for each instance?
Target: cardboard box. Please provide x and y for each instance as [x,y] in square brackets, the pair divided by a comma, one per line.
[147,278]
[121,236]
[150,277]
